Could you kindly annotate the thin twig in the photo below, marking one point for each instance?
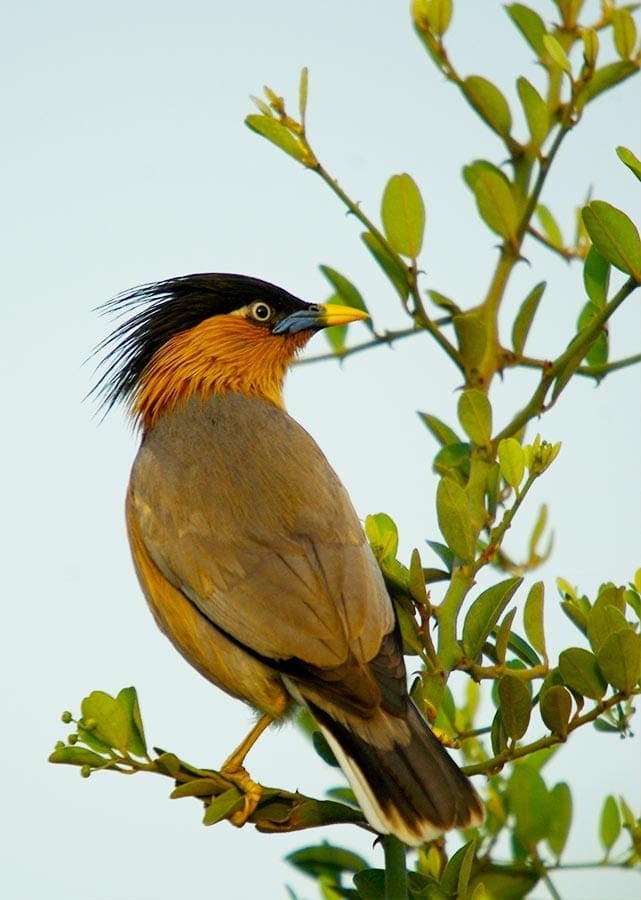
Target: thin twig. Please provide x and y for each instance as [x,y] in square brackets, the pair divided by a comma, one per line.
[566,253]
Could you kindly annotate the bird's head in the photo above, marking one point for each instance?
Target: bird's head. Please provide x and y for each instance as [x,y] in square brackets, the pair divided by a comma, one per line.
[203,334]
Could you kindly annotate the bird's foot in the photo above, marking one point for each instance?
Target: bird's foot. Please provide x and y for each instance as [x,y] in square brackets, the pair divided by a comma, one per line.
[251,791]
[445,739]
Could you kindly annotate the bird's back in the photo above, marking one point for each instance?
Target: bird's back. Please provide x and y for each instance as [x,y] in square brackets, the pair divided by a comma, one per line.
[241,512]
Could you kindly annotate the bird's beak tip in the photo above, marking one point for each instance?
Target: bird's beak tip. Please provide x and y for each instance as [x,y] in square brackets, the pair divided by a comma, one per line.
[333,314]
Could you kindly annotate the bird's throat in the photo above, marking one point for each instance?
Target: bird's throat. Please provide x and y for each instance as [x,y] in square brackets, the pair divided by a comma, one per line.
[223,353]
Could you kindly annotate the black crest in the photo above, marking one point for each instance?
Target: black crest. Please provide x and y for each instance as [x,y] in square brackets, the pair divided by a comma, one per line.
[163,309]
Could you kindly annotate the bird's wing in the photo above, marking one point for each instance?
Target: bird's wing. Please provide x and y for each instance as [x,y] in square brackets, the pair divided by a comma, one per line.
[240,510]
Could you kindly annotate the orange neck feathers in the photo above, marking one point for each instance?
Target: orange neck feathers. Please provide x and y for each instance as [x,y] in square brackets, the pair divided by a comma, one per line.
[222,353]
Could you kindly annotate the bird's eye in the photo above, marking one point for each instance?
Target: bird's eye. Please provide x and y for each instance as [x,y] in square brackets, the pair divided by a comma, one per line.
[260,311]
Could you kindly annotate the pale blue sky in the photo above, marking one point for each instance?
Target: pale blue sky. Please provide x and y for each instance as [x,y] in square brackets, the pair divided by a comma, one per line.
[125,160]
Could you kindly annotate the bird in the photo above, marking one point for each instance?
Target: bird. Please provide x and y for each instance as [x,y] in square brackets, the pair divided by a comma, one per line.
[247,547]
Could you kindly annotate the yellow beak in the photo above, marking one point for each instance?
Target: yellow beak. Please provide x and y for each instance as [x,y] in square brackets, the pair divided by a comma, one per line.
[333,314]
[315,316]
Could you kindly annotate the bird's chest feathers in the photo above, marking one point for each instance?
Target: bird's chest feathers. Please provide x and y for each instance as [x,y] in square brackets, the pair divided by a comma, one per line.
[223,353]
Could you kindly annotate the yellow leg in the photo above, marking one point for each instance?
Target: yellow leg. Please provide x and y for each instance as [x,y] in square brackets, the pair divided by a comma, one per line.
[233,770]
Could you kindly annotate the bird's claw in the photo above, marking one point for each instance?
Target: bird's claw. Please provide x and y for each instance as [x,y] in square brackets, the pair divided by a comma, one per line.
[251,791]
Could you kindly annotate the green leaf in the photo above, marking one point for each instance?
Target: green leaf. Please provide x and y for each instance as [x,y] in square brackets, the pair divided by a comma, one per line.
[302,92]
[576,614]
[403,215]
[602,621]
[323,749]
[596,277]
[498,882]
[619,658]
[89,738]
[452,508]
[129,699]
[530,803]
[111,719]
[611,595]
[382,534]
[569,10]
[411,639]
[489,103]
[498,737]
[560,819]
[77,756]
[473,171]
[536,111]
[557,53]
[610,824]
[515,706]
[537,531]
[326,859]
[337,334]
[556,707]
[633,600]
[444,302]
[343,795]
[525,317]
[604,79]
[511,461]
[262,106]
[630,160]
[453,460]
[590,47]
[370,884]
[417,579]
[277,134]
[625,32]
[222,806]
[550,226]
[501,638]
[627,816]
[598,350]
[472,338]
[444,554]
[475,415]
[521,649]
[533,617]
[484,613]
[456,874]
[438,14]
[349,294]
[197,787]
[567,591]
[396,274]
[465,869]
[493,489]
[615,236]
[442,432]
[496,205]
[530,24]
[168,762]
[580,671]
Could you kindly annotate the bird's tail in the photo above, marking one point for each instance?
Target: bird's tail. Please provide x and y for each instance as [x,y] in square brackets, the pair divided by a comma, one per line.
[404,780]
